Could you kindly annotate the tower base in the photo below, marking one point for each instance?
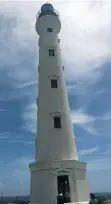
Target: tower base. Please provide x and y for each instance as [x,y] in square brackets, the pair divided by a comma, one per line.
[46,179]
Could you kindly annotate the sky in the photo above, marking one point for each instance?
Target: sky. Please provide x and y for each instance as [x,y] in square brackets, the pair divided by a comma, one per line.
[86,54]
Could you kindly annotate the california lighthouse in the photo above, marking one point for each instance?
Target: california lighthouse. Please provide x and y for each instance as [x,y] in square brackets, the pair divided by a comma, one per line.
[56,169]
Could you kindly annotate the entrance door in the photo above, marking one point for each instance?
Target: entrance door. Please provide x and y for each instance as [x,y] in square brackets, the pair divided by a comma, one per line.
[64,188]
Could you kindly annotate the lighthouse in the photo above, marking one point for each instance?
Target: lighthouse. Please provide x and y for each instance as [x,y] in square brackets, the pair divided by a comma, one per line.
[56,168]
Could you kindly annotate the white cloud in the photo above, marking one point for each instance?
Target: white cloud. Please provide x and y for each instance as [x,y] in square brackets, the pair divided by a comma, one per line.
[24,142]
[4,135]
[90,128]
[19,174]
[88,151]
[79,117]
[22,162]
[100,91]
[84,120]
[107,152]
[27,84]
[85,42]
[85,26]
[2,110]
[88,36]
[30,117]
[85,35]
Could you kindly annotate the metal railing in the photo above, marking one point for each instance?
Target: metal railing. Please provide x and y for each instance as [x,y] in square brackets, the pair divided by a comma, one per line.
[53,12]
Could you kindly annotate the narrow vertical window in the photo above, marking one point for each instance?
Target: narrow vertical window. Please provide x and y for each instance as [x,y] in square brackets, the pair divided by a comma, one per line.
[57,122]
[53,83]
[49,30]
[51,52]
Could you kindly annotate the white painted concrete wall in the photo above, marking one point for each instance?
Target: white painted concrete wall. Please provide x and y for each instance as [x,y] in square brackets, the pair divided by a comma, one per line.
[41,187]
[56,148]
[52,144]
[81,184]
[44,187]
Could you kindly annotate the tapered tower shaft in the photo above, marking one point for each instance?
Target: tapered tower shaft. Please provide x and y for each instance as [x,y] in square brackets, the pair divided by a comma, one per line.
[56,169]
[55,137]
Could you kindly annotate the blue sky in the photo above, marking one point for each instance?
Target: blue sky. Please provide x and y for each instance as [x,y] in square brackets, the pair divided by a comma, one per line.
[86,52]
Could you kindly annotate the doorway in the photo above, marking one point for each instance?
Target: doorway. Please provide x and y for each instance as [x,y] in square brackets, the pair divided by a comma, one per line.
[64,188]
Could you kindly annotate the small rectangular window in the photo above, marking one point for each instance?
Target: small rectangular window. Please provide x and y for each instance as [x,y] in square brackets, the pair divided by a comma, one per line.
[51,52]
[57,122]
[49,30]
[53,83]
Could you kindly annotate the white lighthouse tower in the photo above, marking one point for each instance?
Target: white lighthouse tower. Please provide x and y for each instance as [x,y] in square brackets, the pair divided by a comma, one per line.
[56,169]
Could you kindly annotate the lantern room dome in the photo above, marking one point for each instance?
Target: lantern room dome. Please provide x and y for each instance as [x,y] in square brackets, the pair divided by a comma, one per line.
[47,9]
